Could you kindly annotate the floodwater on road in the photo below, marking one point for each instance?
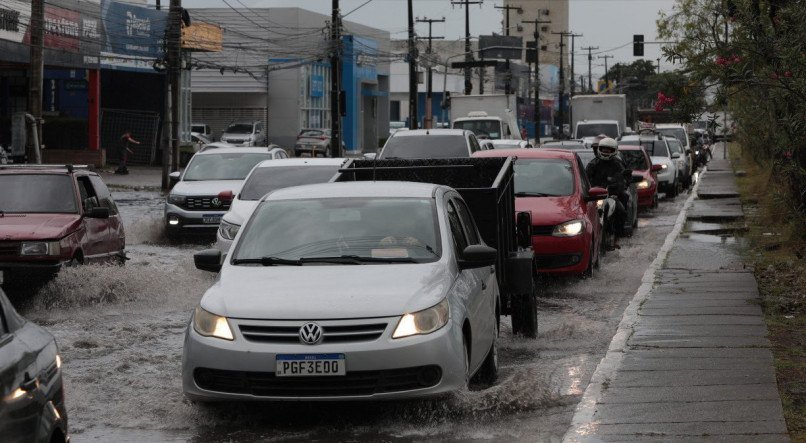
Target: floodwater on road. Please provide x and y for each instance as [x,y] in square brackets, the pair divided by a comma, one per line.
[120,330]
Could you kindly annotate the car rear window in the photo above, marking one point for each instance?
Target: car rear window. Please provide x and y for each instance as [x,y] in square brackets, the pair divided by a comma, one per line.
[265,180]
[37,193]
[678,133]
[223,166]
[426,146]
[655,148]
[634,160]
[482,128]
[240,129]
[594,129]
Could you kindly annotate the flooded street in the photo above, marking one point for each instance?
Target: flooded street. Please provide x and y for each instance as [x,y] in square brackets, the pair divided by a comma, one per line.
[121,329]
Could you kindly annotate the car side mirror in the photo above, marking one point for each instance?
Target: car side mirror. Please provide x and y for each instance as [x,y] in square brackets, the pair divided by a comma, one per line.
[637,178]
[477,256]
[98,212]
[208,260]
[595,194]
[524,229]
[676,155]
[656,168]
[174,175]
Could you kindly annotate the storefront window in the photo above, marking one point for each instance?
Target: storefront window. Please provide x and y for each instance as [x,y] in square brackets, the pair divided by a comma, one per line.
[315,94]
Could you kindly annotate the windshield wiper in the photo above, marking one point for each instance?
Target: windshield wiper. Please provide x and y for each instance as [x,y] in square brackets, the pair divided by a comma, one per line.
[364,259]
[533,194]
[267,261]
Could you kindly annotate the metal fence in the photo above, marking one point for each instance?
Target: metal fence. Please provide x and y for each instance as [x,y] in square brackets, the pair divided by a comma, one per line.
[144,127]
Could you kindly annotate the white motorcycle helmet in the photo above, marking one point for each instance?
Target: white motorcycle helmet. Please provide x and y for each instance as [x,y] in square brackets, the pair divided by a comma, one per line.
[607,148]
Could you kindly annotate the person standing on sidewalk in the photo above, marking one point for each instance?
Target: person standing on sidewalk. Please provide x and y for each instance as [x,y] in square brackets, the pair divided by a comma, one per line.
[124,151]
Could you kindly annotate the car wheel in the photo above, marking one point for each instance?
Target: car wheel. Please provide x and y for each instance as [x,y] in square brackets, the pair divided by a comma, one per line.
[588,272]
[488,372]
[466,353]
[672,190]
[328,154]
[524,315]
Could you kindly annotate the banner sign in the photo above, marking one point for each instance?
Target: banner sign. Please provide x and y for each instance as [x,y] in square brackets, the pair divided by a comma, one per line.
[134,36]
[317,86]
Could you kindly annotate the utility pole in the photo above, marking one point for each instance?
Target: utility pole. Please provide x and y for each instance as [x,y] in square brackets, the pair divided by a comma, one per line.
[607,74]
[429,114]
[175,72]
[37,66]
[562,84]
[537,24]
[590,60]
[412,56]
[509,8]
[335,80]
[468,55]
[573,76]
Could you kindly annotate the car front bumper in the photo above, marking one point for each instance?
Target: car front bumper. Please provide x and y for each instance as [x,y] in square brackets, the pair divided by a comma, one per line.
[561,255]
[245,370]
[178,219]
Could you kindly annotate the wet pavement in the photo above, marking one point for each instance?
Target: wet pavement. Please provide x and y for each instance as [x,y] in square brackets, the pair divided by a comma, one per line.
[691,359]
[120,330]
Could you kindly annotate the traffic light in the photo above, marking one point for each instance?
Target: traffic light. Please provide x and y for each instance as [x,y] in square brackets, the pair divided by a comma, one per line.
[638,45]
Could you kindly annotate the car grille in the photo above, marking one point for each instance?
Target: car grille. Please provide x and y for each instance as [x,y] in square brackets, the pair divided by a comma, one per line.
[266,384]
[557,261]
[289,333]
[205,203]
[9,248]
[542,230]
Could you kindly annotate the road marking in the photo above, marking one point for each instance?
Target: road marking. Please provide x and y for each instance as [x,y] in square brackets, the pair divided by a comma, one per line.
[582,424]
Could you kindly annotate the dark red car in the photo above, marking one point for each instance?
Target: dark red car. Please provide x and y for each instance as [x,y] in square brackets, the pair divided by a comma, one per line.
[637,159]
[51,216]
[551,185]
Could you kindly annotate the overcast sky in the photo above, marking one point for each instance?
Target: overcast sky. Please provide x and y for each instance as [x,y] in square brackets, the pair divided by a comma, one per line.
[607,24]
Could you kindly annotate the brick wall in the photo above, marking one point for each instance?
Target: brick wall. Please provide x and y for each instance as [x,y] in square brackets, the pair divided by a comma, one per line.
[74,157]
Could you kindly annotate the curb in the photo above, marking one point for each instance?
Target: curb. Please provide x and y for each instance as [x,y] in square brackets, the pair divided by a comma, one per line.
[582,422]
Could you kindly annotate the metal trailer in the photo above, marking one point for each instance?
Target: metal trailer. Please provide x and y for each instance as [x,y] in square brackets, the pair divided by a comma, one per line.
[487,186]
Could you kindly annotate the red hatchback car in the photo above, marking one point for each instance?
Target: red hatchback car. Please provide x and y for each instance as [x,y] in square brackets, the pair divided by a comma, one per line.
[637,159]
[55,215]
[551,185]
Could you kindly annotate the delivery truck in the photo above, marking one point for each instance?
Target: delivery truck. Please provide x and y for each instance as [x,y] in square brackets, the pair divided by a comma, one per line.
[490,116]
[598,114]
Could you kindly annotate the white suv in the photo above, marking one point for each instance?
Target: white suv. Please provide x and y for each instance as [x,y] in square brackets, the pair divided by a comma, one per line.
[658,149]
[244,134]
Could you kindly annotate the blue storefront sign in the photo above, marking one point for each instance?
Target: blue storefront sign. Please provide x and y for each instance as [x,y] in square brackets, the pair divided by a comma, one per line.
[317,86]
[134,36]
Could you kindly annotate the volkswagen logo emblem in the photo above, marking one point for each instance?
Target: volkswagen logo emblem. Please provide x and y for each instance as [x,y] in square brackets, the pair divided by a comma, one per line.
[310,333]
[216,202]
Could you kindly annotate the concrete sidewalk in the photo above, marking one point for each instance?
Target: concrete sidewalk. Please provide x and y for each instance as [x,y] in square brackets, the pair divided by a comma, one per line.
[139,177]
[690,360]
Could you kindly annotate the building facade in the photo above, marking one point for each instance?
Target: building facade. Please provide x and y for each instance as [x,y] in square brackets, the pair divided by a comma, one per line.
[556,11]
[275,69]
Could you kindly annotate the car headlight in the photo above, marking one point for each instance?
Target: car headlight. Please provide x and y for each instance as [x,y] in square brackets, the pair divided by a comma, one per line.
[643,184]
[423,322]
[599,204]
[568,229]
[211,325]
[664,166]
[177,199]
[40,248]
[228,230]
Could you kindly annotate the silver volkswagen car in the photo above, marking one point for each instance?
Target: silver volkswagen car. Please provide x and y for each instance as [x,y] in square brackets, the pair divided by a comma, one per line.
[346,291]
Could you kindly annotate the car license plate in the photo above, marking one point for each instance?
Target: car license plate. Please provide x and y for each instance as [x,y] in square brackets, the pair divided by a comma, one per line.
[211,219]
[306,365]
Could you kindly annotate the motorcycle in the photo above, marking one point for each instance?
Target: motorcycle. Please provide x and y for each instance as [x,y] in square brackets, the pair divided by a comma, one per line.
[607,213]
[702,154]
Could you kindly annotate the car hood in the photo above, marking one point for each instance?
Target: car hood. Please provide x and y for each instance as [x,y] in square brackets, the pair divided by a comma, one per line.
[314,292]
[236,135]
[547,211]
[206,187]
[240,211]
[38,226]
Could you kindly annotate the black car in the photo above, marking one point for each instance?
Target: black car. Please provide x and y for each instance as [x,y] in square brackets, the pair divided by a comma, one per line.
[31,390]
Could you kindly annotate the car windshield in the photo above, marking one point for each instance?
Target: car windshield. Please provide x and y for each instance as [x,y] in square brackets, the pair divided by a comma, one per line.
[594,129]
[311,133]
[239,128]
[674,147]
[265,180]
[543,177]
[341,230]
[37,193]
[426,146]
[564,145]
[222,166]
[678,133]
[506,144]
[634,160]
[655,148]
[482,128]
[586,157]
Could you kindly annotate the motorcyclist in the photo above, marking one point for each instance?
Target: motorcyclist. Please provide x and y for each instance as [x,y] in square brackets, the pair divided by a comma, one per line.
[607,171]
